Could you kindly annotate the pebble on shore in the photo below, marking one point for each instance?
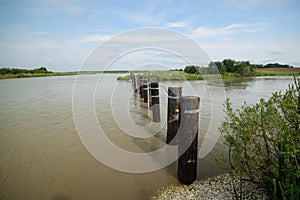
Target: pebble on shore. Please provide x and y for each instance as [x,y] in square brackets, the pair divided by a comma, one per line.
[220,187]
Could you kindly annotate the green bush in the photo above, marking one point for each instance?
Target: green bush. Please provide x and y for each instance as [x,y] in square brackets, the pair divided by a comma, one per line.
[264,142]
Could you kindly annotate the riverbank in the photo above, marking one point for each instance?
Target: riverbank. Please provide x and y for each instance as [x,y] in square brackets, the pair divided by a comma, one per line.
[277,71]
[182,76]
[30,75]
[220,187]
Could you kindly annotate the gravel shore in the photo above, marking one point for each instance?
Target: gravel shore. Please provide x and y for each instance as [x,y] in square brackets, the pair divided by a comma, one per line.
[216,188]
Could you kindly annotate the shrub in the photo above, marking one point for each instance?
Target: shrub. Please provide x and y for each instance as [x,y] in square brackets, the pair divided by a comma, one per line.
[264,142]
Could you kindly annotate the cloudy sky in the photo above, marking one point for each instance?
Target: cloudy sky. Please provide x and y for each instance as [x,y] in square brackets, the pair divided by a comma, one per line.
[61,34]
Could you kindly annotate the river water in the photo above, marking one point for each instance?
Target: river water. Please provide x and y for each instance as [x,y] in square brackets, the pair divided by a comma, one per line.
[42,156]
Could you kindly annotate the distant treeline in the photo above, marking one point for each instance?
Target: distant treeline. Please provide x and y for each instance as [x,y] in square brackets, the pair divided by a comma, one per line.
[275,65]
[41,70]
[243,68]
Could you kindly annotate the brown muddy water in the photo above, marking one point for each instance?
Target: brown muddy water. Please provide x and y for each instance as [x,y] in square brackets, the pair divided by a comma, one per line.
[42,156]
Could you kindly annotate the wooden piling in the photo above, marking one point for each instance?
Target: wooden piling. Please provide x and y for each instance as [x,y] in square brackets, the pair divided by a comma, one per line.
[141,89]
[174,93]
[150,99]
[132,80]
[145,92]
[155,107]
[188,139]
[135,82]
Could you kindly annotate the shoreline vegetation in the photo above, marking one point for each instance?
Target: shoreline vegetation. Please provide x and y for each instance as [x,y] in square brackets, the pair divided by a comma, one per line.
[181,75]
[226,69]
[10,73]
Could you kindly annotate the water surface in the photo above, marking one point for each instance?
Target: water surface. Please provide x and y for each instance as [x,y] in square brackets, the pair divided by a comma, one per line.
[42,157]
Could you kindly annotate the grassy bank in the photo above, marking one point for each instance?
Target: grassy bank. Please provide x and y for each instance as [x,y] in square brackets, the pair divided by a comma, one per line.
[181,76]
[166,76]
[32,75]
[277,71]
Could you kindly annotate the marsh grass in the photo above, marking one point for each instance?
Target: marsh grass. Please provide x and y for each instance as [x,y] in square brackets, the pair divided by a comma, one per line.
[181,75]
[166,76]
[30,75]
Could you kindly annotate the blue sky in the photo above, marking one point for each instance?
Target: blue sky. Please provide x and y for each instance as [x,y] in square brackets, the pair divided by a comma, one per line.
[60,34]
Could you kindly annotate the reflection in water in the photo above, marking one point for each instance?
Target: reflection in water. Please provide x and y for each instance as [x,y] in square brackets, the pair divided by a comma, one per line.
[240,83]
[256,88]
[41,156]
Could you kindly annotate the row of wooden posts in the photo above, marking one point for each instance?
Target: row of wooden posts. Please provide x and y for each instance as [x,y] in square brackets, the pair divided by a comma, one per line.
[183,117]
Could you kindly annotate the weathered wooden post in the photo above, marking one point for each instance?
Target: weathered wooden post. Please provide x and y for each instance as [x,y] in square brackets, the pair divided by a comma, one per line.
[150,96]
[132,80]
[135,82]
[141,89]
[188,139]
[145,92]
[150,90]
[155,107]
[174,93]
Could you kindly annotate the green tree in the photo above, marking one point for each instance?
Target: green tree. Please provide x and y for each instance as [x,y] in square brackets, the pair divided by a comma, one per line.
[257,65]
[221,67]
[229,64]
[264,142]
[190,69]
[212,68]
[4,71]
[244,68]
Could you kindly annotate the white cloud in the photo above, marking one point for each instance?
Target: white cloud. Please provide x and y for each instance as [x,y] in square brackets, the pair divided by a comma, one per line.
[177,24]
[93,38]
[143,38]
[224,32]
[207,31]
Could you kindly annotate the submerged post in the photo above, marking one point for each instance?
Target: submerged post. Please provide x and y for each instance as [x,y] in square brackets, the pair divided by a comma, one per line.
[145,92]
[155,102]
[174,93]
[188,139]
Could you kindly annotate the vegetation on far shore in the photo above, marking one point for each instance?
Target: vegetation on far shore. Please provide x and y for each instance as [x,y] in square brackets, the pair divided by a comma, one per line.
[181,75]
[226,69]
[8,73]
